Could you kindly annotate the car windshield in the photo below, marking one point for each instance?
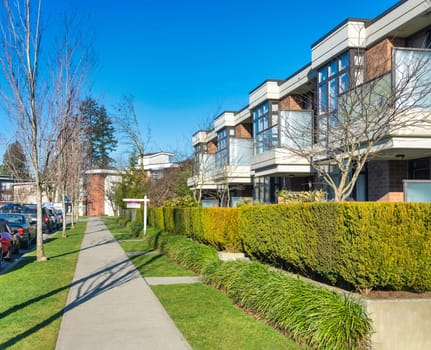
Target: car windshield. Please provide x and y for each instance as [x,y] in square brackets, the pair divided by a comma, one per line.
[13,218]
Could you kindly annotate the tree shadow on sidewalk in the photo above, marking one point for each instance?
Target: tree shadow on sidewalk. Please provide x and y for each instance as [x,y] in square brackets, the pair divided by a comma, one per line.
[88,287]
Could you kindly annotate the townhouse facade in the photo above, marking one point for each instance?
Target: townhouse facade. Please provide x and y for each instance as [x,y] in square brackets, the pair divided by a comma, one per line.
[250,153]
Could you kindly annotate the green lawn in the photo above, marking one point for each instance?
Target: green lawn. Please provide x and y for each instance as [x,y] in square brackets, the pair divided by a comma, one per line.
[158,265]
[118,231]
[134,245]
[209,320]
[33,294]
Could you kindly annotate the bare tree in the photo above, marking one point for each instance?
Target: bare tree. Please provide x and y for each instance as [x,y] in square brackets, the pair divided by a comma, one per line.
[30,88]
[21,42]
[71,66]
[204,161]
[74,176]
[128,126]
[396,99]
[171,183]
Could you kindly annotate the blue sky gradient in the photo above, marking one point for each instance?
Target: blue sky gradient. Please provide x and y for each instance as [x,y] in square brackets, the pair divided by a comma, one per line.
[187,61]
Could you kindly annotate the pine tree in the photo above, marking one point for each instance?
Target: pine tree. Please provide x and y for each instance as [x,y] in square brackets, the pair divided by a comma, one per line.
[98,134]
[15,162]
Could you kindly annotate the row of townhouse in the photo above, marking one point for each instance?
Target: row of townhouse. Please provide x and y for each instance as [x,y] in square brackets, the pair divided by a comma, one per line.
[248,154]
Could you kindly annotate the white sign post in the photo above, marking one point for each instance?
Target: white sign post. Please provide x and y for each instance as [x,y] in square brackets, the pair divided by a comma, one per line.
[146,200]
[135,203]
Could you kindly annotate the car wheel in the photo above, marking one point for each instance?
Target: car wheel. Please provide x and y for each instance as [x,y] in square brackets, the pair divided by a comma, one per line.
[25,244]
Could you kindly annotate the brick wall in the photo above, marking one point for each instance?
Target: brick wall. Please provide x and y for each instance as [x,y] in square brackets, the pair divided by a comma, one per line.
[96,194]
[385,180]
[212,148]
[379,57]
[243,130]
[290,103]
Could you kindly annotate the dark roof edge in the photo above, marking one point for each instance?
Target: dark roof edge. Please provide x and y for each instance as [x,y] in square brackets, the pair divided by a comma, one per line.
[296,72]
[384,13]
[278,81]
[364,20]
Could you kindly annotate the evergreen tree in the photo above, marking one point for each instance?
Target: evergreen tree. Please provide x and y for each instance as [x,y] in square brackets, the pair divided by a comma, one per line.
[98,135]
[15,162]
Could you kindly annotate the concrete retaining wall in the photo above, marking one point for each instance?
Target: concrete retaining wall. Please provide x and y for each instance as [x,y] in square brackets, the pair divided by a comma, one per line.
[400,324]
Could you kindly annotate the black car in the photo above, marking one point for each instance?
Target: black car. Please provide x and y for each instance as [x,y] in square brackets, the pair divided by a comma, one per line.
[54,217]
[31,212]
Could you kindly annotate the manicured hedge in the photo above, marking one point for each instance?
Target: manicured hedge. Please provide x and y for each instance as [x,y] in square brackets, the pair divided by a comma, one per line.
[358,245]
[217,227]
[366,245]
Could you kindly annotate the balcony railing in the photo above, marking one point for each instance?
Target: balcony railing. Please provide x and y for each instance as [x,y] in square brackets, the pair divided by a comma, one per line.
[238,153]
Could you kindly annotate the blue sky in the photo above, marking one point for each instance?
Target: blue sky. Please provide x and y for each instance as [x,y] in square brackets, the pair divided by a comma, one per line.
[187,61]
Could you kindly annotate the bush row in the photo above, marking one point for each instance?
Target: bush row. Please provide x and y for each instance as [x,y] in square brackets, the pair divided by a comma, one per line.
[312,315]
[360,245]
[315,316]
[134,227]
[366,245]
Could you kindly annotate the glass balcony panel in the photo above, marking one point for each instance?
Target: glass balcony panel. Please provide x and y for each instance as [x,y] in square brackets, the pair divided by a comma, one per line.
[241,151]
[295,128]
[412,78]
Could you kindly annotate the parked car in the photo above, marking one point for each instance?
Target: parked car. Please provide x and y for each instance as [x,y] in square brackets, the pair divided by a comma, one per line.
[11,208]
[9,242]
[54,217]
[20,225]
[31,212]
[60,217]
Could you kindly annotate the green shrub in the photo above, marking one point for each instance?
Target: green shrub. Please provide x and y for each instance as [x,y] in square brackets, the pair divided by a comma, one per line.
[123,222]
[386,245]
[361,245]
[220,228]
[320,318]
[168,218]
[186,201]
[183,250]
[312,315]
[155,218]
[301,196]
[135,228]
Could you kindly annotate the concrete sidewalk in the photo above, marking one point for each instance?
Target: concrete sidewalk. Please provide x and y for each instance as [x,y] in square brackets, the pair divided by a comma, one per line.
[110,306]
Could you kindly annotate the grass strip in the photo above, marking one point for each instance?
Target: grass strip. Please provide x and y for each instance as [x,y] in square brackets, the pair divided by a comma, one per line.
[34,294]
[158,265]
[208,320]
